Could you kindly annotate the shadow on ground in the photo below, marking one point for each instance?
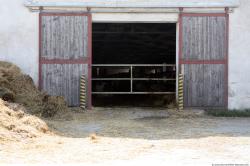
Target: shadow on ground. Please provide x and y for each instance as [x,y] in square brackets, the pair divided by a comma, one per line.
[150,124]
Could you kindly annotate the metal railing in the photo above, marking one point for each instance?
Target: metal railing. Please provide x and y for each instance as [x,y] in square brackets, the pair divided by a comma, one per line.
[132,78]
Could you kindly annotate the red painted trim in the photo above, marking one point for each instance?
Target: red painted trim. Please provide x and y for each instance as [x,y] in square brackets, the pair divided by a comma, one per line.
[89,95]
[65,14]
[40,52]
[227,53]
[203,14]
[64,61]
[180,43]
[203,61]
[180,40]
[179,48]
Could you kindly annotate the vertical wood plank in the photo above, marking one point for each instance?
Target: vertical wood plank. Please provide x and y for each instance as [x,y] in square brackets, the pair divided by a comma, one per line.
[63,80]
[193,85]
[204,39]
[214,85]
[64,37]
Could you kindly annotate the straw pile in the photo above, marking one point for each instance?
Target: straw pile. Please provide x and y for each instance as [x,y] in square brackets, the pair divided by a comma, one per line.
[20,88]
[16,124]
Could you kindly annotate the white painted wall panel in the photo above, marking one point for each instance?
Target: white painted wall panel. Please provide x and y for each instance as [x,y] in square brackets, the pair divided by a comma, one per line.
[19,36]
[239,57]
[135,17]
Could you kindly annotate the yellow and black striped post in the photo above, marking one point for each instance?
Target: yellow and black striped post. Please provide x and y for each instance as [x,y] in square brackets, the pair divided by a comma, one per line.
[180,92]
[83,92]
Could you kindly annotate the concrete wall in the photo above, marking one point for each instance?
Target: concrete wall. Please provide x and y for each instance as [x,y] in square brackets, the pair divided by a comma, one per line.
[239,57]
[19,36]
[19,44]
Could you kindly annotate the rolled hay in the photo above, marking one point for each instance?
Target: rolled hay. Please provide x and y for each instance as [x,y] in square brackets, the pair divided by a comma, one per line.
[26,93]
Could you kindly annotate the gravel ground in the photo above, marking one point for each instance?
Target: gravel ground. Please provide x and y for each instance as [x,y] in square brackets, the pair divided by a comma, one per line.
[135,136]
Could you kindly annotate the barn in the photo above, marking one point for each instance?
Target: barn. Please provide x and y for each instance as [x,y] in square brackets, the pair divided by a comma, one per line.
[132,51]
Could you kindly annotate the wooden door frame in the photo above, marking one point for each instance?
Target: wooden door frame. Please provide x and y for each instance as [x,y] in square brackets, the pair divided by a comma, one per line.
[224,61]
[86,60]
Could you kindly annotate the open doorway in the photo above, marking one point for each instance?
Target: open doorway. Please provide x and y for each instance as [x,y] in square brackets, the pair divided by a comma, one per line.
[134,64]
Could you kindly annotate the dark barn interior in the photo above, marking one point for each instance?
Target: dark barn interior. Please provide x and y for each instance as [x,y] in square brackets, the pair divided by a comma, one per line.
[134,64]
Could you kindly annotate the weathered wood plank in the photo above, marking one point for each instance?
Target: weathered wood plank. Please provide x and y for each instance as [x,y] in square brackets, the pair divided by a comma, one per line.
[214,85]
[63,80]
[204,85]
[64,37]
[193,85]
[204,38]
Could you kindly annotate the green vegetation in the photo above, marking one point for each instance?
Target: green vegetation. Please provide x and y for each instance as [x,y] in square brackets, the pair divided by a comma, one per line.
[229,113]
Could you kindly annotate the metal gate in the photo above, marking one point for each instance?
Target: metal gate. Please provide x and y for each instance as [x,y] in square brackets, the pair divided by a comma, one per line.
[65,54]
[166,80]
[203,58]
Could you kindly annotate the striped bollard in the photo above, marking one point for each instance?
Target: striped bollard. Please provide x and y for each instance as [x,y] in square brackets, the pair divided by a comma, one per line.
[83,92]
[180,92]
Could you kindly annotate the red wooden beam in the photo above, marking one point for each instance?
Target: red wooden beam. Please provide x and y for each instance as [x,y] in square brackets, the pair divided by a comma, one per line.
[226,52]
[65,14]
[203,14]
[89,95]
[203,61]
[40,51]
[64,61]
[180,37]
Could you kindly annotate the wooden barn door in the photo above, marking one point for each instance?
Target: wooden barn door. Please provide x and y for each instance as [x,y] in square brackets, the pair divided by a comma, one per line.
[203,59]
[65,54]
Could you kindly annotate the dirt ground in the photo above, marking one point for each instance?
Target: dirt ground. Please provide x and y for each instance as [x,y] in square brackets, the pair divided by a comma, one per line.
[135,136]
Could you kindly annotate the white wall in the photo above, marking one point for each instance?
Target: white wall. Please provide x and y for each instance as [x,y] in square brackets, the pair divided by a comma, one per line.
[135,17]
[239,57]
[19,36]
[19,44]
